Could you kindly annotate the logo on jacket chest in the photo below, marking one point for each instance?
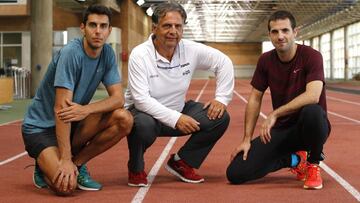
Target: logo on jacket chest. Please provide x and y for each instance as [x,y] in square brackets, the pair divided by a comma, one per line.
[296,70]
[187,72]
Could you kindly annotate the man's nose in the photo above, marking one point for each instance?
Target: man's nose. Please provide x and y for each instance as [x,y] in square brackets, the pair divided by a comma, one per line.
[98,29]
[281,35]
[173,29]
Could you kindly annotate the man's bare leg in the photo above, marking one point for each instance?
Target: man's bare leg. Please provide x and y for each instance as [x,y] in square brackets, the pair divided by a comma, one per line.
[48,161]
[98,132]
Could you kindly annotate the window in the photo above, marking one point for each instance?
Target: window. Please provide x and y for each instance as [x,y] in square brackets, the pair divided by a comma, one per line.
[315,43]
[338,60]
[306,42]
[325,51]
[10,49]
[353,46]
[59,41]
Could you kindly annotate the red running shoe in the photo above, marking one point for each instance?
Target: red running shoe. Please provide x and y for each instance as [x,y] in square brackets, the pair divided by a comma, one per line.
[182,170]
[138,179]
[313,177]
[301,168]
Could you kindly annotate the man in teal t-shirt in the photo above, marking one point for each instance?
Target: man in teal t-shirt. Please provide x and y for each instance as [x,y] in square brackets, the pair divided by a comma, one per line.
[61,130]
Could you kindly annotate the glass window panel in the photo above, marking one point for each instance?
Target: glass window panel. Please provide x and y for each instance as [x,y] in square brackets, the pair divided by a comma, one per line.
[58,38]
[11,38]
[1,63]
[315,43]
[353,42]
[325,51]
[338,54]
[12,55]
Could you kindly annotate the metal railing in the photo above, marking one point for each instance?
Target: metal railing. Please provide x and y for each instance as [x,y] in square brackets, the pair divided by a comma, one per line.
[22,82]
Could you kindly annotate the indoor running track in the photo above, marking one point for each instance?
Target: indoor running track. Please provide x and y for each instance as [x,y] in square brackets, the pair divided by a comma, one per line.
[340,172]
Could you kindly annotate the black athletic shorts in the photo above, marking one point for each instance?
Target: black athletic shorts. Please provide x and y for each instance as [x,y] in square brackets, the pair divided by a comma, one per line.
[36,142]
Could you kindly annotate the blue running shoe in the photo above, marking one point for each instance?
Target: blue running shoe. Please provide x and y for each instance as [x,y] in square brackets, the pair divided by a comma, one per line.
[38,178]
[85,182]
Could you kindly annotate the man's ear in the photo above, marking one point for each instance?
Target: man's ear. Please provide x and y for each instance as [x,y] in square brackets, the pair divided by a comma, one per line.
[82,28]
[153,27]
[296,31]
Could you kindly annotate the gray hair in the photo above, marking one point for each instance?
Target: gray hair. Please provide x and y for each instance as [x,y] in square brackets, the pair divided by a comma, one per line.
[163,8]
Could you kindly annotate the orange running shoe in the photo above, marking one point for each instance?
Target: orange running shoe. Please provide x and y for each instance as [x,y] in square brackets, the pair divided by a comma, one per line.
[300,169]
[313,177]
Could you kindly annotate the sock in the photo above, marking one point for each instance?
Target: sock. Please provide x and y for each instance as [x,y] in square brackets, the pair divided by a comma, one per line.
[295,159]
[176,157]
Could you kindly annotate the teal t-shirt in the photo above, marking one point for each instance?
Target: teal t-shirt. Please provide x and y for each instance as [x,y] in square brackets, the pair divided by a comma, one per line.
[72,69]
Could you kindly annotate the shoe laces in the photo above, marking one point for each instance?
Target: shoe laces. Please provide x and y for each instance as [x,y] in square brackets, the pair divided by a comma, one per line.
[83,172]
[37,170]
[188,168]
[313,171]
[30,165]
[300,168]
[138,175]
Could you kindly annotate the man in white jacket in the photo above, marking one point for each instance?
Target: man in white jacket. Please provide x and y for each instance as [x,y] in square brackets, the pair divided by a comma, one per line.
[160,71]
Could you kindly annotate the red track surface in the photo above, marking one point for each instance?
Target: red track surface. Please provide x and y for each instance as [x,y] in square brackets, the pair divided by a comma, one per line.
[342,156]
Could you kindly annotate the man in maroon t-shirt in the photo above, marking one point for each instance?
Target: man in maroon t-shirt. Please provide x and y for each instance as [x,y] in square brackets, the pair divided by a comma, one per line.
[294,133]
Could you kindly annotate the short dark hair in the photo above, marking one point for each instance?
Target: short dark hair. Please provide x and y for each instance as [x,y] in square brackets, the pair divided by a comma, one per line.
[161,10]
[282,14]
[96,9]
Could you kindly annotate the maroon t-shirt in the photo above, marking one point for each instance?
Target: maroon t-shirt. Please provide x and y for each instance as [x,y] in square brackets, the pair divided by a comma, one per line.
[288,80]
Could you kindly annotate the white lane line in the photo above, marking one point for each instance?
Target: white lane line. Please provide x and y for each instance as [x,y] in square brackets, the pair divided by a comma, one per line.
[11,122]
[326,168]
[343,100]
[16,156]
[340,180]
[244,100]
[338,92]
[13,158]
[344,117]
[140,195]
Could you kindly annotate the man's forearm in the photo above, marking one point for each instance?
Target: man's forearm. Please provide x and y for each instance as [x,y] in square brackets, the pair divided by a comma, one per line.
[310,96]
[106,105]
[294,105]
[251,116]
[63,139]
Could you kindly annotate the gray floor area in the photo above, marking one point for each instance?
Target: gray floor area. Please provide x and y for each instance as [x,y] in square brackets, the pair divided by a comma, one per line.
[16,109]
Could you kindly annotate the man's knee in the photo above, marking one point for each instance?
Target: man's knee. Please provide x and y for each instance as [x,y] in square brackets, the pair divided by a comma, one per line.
[62,193]
[124,120]
[225,119]
[145,128]
[313,116]
[311,111]
[234,175]
[222,123]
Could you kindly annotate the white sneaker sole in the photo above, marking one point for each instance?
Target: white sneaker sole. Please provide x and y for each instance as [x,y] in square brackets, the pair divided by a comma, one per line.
[36,185]
[313,188]
[138,185]
[168,168]
[87,188]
